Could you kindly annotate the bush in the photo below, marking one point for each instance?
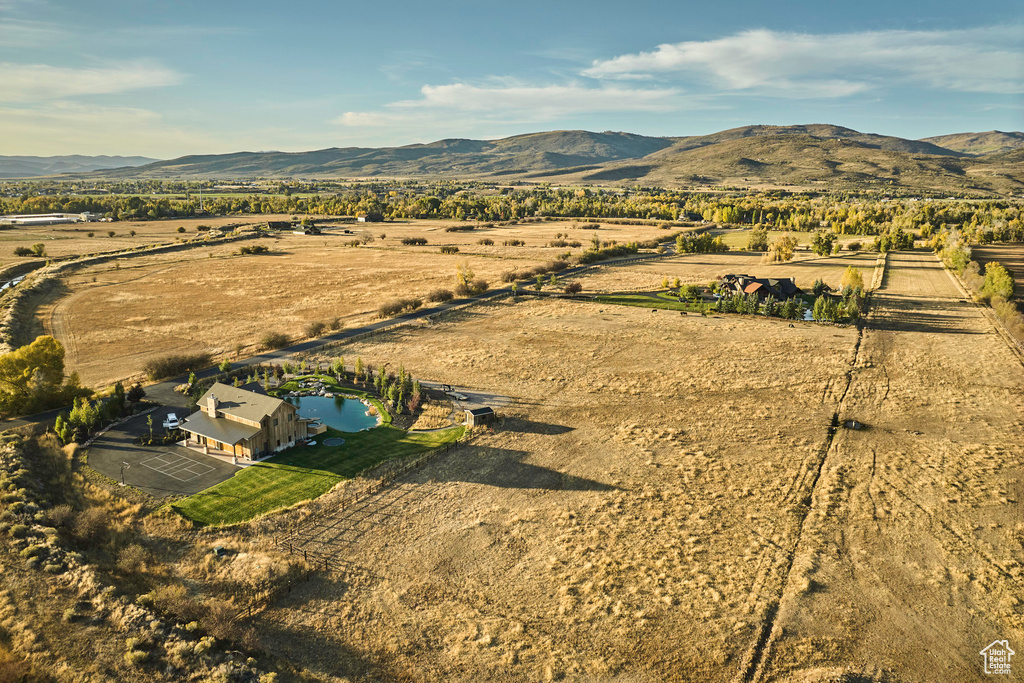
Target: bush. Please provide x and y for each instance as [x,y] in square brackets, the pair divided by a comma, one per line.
[131,559]
[253,249]
[182,229]
[758,240]
[414,241]
[514,243]
[225,365]
[23,251]
[174,364]
[398,306]
[487,241]
[275,340]
[854,246]
[998,282]
[440,295]
[315,329]
[510,276]
[573,288]
[461,228]
[449,250]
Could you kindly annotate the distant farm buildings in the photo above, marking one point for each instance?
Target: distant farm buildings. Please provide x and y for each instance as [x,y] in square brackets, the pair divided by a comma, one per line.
[30,219]
[479,416]
[779,287]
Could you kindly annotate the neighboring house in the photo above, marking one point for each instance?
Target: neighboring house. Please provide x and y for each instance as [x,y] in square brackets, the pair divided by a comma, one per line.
[247,424]
[781,288]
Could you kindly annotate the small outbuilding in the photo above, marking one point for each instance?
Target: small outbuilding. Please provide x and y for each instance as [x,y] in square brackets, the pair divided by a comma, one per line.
[479,416]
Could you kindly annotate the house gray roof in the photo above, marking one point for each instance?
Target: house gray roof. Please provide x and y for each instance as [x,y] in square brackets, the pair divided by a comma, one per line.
[238,402]
[225,431]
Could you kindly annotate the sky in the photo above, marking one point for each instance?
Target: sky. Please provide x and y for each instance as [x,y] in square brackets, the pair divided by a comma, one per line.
[166,79]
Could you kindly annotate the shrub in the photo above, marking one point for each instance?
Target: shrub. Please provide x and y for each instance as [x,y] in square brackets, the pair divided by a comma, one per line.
[60,516]
[398,306]
[202,228]
[449,250]
[274,340]
[998,282]
[509,276]
[182,229]
[514,243]
[91,524]
[132,558]
[253,249]
[461,228]
[414,241]
[487,241]
[573,288]
[854,246]
[315,329]
[174,364]
[335,324]
[23,251]
[224,366]
[441,294]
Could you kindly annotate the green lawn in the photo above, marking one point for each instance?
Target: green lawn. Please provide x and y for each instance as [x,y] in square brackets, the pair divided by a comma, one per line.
[305,472]
[661,300]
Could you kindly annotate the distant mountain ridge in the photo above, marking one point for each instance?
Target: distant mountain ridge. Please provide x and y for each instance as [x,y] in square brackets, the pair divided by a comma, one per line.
[31,166]
[976,144]
[808,156]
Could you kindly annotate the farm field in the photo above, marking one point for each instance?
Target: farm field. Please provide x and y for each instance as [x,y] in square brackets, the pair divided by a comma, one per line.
[617,524]
[703,268]
[115,316]
[737,238]
[639,517]
[73,239]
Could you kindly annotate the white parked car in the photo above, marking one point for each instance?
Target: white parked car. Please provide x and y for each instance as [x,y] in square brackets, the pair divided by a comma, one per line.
[171,421]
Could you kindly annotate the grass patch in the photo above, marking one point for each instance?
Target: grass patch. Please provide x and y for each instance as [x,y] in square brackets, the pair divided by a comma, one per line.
[305,472]
[660,300]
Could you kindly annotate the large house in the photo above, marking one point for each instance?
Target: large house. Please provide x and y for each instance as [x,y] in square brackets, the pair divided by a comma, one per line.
[243,423]
[781,288]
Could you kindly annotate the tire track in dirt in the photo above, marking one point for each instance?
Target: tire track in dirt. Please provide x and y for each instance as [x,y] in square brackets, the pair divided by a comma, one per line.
[801,496]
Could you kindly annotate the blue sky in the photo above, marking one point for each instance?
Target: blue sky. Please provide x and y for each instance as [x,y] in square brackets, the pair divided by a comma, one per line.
[165,79]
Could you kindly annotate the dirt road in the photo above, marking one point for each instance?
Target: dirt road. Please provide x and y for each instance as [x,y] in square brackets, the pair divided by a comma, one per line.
[910,559]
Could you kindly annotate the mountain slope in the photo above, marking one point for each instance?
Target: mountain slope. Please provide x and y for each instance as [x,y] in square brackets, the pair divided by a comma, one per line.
[30,166]
[803,160]
[522,153]
[976,144]
[822,131]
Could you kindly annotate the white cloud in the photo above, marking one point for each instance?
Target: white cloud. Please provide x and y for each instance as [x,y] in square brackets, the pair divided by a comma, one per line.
[512,101]
[41,82]
[28,33]
[817,65]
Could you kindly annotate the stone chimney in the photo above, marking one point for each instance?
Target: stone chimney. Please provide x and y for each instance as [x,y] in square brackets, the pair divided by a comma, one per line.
[211,406]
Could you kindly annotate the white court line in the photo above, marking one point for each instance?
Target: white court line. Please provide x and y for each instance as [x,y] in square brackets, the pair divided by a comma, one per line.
[172,465]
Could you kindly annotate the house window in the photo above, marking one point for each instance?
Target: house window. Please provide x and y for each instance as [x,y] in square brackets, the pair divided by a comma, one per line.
[289,417]
[279,443]
[275,421]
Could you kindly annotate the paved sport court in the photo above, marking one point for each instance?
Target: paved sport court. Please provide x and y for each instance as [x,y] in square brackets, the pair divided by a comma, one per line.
[177,466]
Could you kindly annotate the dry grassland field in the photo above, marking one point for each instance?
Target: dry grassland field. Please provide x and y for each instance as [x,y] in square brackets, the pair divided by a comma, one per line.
[665,501]
[703,268]
[73,239]
[114,316]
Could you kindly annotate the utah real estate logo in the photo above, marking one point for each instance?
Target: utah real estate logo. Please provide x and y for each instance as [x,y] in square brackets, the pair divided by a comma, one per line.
[997,657]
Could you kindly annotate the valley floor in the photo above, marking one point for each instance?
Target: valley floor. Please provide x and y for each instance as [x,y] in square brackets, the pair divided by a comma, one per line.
[668,500]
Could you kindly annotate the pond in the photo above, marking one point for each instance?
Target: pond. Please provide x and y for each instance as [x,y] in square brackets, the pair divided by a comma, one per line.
[344,414]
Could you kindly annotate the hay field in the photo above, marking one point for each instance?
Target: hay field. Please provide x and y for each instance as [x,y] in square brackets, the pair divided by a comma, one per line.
[703,268]
[663,482]
[117,315]
[73,239]
[620,524]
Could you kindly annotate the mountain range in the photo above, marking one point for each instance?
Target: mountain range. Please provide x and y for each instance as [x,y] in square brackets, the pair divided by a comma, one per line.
[29,166]
[814,155]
